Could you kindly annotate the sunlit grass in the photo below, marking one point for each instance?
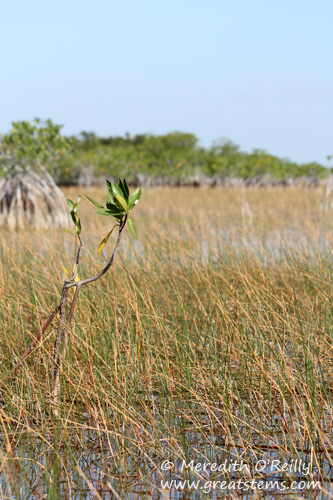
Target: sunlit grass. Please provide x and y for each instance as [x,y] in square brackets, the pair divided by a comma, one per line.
[211,337]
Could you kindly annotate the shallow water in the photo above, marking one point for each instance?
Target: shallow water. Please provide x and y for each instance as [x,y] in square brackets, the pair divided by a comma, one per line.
[215,470]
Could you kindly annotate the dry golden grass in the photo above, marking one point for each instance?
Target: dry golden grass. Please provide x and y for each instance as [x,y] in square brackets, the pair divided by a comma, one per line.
[210,338]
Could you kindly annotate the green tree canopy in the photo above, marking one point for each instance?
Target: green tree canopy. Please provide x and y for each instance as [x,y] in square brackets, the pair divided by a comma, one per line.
[33,145]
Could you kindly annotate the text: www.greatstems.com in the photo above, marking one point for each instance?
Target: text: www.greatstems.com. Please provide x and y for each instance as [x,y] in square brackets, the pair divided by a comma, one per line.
[207,486]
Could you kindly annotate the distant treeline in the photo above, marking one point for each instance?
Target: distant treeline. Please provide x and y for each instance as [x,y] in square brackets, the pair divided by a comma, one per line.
[174,158]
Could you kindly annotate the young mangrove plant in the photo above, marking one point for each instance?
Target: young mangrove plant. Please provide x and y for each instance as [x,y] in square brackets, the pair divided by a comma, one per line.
[119,204]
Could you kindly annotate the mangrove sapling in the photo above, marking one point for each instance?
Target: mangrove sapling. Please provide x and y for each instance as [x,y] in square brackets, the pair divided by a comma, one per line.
[119,204]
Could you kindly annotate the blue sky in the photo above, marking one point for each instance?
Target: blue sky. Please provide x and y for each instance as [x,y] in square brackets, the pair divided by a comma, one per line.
[257,72]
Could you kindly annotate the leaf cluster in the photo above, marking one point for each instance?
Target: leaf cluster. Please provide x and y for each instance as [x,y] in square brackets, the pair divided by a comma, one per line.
[119,204]
[73,209]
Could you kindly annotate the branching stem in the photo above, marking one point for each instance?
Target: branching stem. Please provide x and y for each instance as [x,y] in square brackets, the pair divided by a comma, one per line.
[61,343]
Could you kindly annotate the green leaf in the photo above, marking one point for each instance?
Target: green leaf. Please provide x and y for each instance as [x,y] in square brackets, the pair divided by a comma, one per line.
[124,188]
[70,204]
[118,217]
[132,228]
[73,216]
[118,214]
[105,240]
[110,197]
[134,198]
[120,203]
[120,184]
[116,190]
[70,232]
[109,185]
[78,227]
[114,208]
[76,205]
[98,205]
[104,211]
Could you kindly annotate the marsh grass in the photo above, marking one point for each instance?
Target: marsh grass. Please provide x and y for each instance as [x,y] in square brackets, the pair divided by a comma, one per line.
[210,339]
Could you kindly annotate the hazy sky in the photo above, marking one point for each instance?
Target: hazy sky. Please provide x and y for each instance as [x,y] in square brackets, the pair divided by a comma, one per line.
[259,72]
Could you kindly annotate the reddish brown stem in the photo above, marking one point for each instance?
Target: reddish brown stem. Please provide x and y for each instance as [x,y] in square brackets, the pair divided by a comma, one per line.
[62,337]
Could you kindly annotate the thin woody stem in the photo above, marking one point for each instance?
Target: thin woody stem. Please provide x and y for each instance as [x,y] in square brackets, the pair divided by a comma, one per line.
[77,253]
[106,268]
[62,307]
[62,336]
[61,327]
[60,356]
[71,311]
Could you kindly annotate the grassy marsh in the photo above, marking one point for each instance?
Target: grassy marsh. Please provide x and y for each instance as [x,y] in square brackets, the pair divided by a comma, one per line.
[211,339]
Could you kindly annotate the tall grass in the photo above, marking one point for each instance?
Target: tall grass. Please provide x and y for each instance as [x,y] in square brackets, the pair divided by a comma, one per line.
[210,339]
